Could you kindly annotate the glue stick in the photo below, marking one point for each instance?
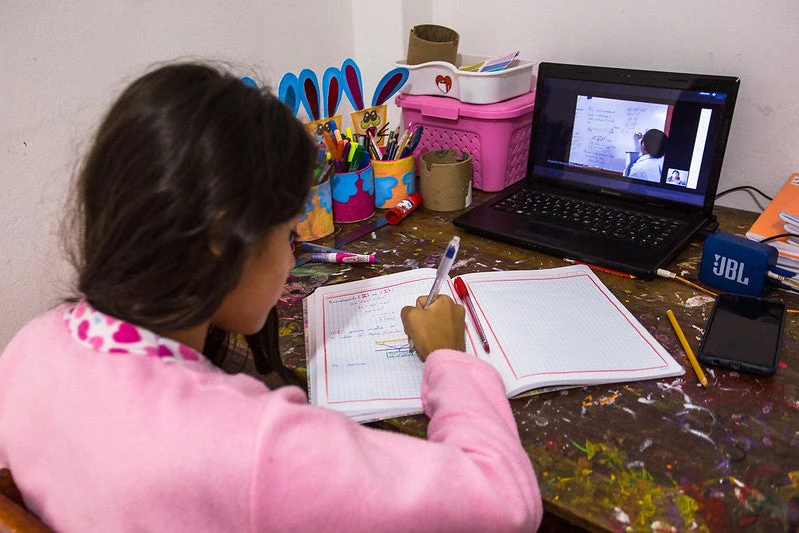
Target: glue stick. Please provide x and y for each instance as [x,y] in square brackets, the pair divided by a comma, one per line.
[397,214]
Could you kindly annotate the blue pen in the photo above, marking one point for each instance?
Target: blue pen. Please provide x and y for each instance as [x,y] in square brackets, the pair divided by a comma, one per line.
[392,145]
[323,248]
[413,143]
[334,131]
[443,269]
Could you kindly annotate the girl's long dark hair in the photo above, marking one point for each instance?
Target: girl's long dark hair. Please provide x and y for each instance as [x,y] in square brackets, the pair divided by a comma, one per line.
[188,159]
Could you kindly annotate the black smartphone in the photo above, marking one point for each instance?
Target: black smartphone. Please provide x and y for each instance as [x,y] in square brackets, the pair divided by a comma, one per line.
[744,333]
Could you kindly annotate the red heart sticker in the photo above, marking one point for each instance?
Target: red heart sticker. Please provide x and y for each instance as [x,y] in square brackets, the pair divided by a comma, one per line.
[444,83]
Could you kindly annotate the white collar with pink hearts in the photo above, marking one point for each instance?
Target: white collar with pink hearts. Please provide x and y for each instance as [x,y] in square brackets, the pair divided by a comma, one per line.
[105,333]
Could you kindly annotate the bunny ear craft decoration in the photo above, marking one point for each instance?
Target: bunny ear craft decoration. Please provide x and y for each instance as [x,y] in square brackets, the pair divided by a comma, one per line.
[246,80]
[308,85]
[303,90]
[332,89]
[353,84]
[353,88]
[388,86]
[287,91]
[306,90]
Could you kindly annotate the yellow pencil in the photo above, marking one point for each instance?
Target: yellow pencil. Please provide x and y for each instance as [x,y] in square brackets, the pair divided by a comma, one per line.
[688,351]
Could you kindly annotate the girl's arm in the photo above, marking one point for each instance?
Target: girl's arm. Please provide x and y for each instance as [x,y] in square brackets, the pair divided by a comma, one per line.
[316,470]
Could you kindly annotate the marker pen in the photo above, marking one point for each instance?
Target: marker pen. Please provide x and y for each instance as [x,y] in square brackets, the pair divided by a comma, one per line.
[330,257]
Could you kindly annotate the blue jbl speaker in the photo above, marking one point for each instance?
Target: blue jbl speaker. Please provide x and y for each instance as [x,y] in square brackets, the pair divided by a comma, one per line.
[736,264]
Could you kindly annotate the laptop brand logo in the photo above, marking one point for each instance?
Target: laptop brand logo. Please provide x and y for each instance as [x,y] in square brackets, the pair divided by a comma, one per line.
[610,192]
[730,269]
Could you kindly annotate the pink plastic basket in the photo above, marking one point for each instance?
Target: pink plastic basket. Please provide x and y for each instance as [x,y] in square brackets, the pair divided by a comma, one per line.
[496,135]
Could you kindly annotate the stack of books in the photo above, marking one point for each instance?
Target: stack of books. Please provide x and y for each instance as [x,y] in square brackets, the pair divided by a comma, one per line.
[781,217]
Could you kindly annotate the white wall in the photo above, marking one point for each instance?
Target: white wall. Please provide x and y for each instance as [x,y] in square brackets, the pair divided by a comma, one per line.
[61,63]
[756,41]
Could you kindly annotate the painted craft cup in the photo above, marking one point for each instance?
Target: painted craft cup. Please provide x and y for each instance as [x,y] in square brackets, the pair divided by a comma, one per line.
[353,195]
[317,221]
[394,181]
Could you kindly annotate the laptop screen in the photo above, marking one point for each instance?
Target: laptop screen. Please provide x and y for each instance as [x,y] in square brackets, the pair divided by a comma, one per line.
[655,135]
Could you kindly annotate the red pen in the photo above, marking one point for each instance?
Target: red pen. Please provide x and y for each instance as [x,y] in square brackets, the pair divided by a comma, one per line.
[460,288]
[601,269]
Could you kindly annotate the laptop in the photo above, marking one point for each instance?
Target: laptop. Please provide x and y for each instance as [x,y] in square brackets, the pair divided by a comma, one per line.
[622,170]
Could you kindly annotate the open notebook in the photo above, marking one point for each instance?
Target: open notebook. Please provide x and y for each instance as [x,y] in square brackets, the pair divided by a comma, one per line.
[546,328]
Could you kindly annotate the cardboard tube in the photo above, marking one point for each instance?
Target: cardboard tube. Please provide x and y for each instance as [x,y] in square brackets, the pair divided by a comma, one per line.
[446,180]
[430,42]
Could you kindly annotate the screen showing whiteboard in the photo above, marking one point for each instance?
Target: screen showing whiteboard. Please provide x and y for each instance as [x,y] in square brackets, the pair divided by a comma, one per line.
[698,111]
[605,130]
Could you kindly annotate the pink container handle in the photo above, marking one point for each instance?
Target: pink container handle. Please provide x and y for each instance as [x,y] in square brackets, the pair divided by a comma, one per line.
[448,112]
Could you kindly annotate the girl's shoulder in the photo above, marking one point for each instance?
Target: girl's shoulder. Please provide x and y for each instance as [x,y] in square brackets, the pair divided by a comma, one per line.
[42,328]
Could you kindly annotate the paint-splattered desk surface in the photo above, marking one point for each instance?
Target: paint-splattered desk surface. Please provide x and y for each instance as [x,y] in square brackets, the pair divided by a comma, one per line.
[655,455]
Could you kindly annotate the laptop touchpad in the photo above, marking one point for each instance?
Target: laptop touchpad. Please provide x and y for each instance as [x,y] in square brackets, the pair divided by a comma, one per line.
[545,232]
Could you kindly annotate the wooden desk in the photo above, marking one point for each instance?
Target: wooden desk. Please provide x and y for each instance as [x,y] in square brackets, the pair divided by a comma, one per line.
[639,455]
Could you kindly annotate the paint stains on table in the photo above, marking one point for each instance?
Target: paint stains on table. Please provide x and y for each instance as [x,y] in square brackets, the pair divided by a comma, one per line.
[664,455]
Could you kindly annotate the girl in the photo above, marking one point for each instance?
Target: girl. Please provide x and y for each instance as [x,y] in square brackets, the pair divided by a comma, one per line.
[111,419]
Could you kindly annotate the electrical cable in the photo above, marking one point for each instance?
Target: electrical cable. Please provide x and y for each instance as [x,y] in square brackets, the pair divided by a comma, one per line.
[671,275]
[778,236]
[785,282]
[782,279]
[743,187]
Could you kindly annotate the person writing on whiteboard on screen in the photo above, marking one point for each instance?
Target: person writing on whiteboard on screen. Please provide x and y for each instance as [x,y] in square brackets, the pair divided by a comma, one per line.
[649,164]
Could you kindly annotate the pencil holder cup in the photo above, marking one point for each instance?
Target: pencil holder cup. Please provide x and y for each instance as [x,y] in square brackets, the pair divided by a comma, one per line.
[317,221]
[446,180]
[371,116]
[430,42]
[353,195]
[394,181]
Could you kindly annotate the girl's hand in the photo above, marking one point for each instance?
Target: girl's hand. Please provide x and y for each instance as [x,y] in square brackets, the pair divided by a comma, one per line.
[442,325]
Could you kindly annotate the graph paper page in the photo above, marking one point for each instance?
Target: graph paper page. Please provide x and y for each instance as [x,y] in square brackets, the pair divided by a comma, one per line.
[361,351]
[563,326]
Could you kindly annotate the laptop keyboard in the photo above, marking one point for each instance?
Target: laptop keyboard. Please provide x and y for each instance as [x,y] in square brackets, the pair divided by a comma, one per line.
[613,222]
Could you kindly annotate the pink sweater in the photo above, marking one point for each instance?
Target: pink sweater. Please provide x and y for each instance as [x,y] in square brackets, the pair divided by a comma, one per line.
[101,441]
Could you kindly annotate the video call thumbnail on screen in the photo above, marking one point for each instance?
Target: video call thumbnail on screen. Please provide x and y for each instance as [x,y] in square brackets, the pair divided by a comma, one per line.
[607,134]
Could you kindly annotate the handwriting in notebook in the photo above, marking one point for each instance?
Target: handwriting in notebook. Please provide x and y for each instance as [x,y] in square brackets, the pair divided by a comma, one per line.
[366,349]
